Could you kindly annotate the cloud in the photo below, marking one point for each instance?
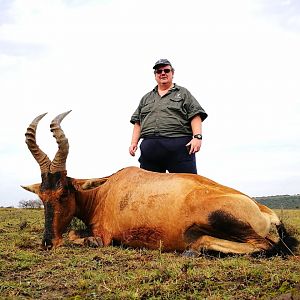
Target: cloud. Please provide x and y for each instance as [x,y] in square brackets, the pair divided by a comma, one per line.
[11,48]
[284,12]
[5,12]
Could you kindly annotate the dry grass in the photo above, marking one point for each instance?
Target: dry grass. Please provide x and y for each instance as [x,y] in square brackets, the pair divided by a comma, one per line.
[72,272]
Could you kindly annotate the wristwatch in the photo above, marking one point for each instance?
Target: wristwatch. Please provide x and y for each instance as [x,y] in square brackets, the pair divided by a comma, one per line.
[198,136]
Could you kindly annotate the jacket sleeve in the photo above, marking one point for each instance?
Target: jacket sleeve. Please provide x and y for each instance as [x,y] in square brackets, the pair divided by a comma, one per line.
[136,116]
[193,107]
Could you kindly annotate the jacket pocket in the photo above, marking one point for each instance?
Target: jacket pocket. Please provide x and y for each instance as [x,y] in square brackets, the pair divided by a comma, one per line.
[175,103]
[145,110]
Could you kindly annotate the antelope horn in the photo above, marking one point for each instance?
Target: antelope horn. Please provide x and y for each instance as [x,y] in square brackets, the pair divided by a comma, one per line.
[59,161]
[42,159]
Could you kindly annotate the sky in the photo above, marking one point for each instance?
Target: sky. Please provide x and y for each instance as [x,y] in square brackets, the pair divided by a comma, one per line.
[239,58]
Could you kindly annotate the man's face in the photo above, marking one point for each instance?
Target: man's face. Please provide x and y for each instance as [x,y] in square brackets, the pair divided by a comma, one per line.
[164,74]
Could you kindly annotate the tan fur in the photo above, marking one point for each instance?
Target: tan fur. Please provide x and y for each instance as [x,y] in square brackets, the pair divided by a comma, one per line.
[154,210]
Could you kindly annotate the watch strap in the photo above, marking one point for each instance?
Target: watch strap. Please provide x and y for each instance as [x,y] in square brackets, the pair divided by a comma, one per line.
[198,136]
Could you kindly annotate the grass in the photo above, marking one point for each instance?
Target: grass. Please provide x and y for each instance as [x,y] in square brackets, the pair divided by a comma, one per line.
[73,272]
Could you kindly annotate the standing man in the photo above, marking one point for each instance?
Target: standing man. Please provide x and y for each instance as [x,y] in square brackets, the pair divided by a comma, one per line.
[169,120]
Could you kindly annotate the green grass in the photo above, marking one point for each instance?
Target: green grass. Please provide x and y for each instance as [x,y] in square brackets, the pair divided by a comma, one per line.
[73,272]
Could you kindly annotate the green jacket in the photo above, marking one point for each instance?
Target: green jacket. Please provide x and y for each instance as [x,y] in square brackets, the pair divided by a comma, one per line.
[169,115]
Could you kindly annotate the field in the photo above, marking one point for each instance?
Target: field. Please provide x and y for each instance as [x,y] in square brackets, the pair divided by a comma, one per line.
[73,272]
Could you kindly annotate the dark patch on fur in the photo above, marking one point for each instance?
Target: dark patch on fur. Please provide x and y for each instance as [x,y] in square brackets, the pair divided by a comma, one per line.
[142,236]
[227,226]
[51,181]
[48,233]
[221,225]
[124,201]
[55,181]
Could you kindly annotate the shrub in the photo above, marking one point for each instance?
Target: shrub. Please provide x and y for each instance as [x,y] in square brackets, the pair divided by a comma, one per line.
[35,203]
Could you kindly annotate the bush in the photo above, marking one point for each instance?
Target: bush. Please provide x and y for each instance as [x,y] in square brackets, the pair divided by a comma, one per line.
[36,203]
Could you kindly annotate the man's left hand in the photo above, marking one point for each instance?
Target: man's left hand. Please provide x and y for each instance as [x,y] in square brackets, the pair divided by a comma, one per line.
[194,145]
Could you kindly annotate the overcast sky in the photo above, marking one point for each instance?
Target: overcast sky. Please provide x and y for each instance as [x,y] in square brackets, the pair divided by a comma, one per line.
[239,58]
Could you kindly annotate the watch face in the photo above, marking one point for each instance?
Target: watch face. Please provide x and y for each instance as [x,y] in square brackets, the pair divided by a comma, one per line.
[198,136]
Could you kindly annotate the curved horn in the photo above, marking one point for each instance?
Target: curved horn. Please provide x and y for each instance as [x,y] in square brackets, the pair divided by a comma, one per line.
[42,159]
[59,161]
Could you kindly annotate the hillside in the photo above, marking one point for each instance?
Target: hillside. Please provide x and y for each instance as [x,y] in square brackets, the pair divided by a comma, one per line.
[280,201]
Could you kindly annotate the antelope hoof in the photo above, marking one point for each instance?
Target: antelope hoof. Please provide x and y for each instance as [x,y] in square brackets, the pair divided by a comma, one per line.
[93,242]
[190,253]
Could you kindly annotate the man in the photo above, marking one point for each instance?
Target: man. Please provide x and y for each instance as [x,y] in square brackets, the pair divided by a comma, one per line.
[169,120]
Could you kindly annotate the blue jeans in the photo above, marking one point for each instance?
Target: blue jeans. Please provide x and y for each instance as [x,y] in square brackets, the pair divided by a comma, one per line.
[161,154]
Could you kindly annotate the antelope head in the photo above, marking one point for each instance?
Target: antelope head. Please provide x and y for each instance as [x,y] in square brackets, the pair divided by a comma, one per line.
[56,190]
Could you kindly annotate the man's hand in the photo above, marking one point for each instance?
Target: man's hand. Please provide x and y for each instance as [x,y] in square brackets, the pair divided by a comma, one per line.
[194,145]
[132,149]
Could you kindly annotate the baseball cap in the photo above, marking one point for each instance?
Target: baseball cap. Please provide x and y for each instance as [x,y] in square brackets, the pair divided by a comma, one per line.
[161,62]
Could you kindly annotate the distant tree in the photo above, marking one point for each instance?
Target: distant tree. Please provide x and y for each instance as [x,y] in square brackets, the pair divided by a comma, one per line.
[33,203]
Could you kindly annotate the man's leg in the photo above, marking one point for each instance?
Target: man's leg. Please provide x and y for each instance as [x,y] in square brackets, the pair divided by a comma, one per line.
[150,166]
[180,161]
[152,156]
[185,166]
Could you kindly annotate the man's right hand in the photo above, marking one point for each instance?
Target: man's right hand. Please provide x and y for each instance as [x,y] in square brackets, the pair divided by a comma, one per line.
[132,149]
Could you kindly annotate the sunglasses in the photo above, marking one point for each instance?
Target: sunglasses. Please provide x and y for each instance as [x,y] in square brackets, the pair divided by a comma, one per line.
[163,70]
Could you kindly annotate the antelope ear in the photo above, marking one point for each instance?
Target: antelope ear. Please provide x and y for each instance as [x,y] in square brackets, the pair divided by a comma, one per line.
[34,188]
[92,183]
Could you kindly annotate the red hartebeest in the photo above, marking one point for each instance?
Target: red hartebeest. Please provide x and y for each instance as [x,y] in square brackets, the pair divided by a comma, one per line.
[139,208]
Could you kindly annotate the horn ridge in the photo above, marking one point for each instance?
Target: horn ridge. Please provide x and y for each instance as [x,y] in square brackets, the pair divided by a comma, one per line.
[59,161]
[41,158]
